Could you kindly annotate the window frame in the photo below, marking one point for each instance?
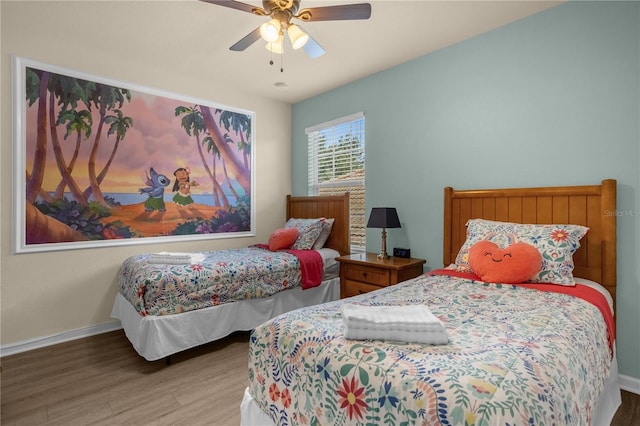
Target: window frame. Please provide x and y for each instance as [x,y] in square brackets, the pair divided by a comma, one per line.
[352,125]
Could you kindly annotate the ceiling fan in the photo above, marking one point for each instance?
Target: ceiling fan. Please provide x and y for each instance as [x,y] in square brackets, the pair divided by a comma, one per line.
[281,13]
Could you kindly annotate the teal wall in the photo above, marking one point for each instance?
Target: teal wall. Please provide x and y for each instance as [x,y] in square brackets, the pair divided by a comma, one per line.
[552,99]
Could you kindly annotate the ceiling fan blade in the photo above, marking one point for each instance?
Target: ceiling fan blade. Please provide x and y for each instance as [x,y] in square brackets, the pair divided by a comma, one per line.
[312,48]
[336,13]
[246,41]
[238,5]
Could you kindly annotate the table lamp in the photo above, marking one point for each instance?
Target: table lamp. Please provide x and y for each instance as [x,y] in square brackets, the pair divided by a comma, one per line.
[383,217]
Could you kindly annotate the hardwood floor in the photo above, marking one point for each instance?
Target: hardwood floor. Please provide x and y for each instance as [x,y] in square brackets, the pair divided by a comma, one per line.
[100,380]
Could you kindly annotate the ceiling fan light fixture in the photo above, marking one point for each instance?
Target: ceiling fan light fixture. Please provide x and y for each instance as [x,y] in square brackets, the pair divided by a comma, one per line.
[281,12]
[276,46]
[298,37]
[270,31]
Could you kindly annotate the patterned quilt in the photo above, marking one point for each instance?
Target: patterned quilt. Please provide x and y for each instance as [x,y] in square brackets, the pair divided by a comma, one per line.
[223,276]
[516,356]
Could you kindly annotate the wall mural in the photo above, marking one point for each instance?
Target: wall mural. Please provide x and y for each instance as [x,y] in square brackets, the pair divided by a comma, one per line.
[101,163]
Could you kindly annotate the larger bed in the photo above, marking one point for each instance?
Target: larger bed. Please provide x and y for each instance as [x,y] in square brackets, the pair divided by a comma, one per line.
[165,306]
[532,353]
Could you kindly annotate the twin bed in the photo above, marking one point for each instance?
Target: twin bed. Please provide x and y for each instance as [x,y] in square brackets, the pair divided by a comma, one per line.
[517,353]
[166,305]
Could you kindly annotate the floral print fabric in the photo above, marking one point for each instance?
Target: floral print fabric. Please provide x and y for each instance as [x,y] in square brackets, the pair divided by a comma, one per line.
[224,276]
[556,244]
[308,232]
[516,356]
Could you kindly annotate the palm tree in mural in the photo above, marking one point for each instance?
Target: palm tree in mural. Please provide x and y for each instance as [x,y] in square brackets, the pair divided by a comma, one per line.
[46,88]
[78,122]
[118,125]
[44,195]
[241,125]
[105,98]
[211,148]
[241,172]
[52,89]
[193,124]
[224,168]
[36,90]
[67,92]
[218,193]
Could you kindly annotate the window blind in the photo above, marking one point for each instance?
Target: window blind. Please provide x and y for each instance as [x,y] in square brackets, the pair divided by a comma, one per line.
[336,164]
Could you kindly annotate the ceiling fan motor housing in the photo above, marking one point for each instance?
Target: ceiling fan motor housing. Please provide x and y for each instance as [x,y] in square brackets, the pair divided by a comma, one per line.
[291,5]
[282,10]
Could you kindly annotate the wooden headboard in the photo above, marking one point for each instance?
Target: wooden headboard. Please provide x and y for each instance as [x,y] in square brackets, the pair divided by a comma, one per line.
[328,206]
[593,206]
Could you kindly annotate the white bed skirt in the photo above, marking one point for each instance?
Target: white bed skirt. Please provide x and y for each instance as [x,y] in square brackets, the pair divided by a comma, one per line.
[610,400]
[156,337]
[251,414]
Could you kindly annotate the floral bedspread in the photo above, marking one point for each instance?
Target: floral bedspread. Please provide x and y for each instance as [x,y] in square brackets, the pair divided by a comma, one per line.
[223,276]
[516,356]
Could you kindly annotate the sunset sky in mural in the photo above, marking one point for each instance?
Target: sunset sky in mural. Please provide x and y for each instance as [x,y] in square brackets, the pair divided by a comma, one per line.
[156,140]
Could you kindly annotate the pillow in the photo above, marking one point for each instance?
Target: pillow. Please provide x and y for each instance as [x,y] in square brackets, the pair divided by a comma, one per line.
[515,263]
[327,225]
[556,244]
[282,238]
[308,232]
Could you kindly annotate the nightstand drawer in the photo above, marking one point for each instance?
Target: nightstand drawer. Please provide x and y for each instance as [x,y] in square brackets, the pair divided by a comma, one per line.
[367,274]
[354,288]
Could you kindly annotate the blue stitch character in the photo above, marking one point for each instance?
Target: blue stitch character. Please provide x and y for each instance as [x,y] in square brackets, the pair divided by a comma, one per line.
[155,190]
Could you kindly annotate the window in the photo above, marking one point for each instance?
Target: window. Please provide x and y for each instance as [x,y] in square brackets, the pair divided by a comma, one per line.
[336,165]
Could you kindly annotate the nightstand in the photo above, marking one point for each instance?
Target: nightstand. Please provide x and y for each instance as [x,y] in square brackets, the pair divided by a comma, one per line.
[362,273]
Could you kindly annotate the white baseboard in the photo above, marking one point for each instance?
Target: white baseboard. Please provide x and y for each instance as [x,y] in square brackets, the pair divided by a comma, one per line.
[630,384]
[41,342]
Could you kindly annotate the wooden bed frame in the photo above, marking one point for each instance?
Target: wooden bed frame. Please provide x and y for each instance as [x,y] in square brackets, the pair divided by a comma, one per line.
[328,206]
[593,206]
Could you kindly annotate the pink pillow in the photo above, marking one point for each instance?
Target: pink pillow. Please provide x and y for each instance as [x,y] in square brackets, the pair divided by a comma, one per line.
[282,238]
[513,264]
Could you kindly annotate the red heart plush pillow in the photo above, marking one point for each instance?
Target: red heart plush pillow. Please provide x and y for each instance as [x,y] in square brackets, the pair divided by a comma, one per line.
[513,264]
[282,238]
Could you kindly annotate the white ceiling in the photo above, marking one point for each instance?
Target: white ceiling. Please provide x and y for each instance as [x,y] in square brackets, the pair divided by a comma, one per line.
[397,31]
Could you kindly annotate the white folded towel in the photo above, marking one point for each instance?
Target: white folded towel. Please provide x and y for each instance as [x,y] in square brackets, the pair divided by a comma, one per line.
[409,323]
[172,258]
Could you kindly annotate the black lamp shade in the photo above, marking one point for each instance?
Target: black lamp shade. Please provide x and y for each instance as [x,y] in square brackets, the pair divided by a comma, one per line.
[383,217]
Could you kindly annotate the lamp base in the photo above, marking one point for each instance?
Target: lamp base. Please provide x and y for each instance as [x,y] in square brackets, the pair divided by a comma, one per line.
[383,249]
